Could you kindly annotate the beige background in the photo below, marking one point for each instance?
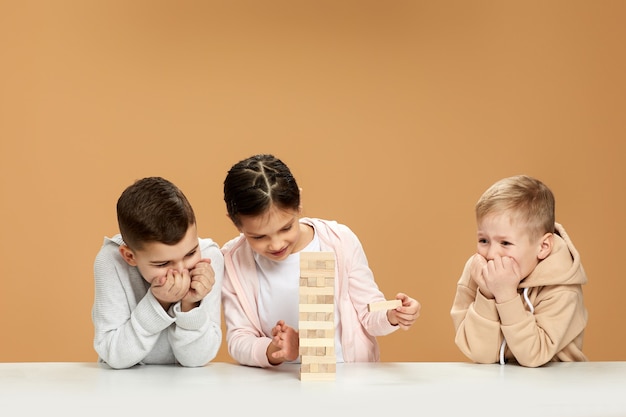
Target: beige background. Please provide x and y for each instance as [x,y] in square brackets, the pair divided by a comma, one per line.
[394,116]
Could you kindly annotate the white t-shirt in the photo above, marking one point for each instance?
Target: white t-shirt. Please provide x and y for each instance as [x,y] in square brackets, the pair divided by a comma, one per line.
[279,292]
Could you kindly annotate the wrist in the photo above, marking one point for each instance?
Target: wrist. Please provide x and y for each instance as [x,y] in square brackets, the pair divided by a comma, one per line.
[166,306]
[270,352]
[188,306]
[505,298]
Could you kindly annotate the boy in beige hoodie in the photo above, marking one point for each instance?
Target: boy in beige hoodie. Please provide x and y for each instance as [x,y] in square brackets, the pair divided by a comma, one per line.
[519,298]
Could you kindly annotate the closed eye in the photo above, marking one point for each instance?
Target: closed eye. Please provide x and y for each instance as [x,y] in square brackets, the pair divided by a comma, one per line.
[165,264]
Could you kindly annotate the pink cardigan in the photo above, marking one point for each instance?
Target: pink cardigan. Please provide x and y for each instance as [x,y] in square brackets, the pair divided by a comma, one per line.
[247,343]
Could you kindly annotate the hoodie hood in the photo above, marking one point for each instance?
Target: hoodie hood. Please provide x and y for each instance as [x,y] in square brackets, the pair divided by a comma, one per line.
[561,267]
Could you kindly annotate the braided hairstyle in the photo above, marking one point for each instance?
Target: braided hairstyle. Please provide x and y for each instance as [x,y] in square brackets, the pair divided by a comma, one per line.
[256,183]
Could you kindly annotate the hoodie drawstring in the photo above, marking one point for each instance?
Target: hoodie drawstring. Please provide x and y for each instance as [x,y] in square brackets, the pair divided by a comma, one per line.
[532,311]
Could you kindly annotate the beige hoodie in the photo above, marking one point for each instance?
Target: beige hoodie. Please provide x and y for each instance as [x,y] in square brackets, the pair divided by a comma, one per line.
[545,323]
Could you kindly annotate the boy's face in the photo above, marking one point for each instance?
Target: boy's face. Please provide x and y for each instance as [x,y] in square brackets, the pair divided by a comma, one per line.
[499,235]
[274,234]
[156,258]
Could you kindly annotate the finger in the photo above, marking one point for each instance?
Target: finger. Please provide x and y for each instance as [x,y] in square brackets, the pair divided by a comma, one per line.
[159,281]
[478,260]
[174,287]
[200,286]
[171,280]
[500,261]
[181,284]
[516,269]
[208,281]
[185,279]
[203,265]
[405,318]
[485,270]
[194,286]
[403,324]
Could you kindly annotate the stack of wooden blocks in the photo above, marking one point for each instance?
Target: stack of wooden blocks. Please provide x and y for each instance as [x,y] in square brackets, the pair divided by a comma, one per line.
[317,316]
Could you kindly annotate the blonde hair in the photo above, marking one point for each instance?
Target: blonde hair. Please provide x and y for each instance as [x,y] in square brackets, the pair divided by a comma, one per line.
[526,199]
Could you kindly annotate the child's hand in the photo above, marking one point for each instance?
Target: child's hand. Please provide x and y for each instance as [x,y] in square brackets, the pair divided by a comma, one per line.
[171,287]
[502,276]
[405,315]
[202,279]
[476,273]
[285,345]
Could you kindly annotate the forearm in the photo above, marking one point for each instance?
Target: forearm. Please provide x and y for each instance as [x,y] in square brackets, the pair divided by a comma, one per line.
[477,326]
[197,335]
[123,341]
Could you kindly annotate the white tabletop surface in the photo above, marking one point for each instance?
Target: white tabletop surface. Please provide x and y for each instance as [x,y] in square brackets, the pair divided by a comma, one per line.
[370,389]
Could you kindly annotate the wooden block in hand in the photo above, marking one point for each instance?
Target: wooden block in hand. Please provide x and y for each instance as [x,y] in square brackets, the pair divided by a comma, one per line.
[384,305]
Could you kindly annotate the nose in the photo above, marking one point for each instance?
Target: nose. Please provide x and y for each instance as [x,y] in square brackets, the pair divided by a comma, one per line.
[492,252]
[180,266]
[275,244]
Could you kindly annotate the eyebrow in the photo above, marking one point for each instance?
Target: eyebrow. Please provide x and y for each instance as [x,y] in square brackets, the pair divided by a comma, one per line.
[482,234]
[500,237]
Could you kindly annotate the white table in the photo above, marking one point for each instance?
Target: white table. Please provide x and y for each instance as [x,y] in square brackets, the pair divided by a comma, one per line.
[386,389]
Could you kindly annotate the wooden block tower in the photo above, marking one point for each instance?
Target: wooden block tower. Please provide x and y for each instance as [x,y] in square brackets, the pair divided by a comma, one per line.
[317,316]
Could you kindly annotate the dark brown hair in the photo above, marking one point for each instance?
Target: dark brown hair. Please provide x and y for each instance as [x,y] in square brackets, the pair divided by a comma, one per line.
[254,184]
[153,210]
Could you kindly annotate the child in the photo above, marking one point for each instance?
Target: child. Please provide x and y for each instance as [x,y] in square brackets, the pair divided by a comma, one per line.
[262,272]
[520,297]
[157,285]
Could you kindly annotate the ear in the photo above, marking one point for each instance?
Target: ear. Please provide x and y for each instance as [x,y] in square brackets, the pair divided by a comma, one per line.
[128,255]
[546,244]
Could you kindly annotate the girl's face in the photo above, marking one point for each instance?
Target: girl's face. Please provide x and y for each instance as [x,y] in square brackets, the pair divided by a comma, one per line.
[500,236]
[276,234]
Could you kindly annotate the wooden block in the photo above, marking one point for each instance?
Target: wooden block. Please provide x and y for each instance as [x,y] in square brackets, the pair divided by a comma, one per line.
[317,308]
[327,359]
[384,305]
[326,290]
[304,342]
[311,324]
[317,376]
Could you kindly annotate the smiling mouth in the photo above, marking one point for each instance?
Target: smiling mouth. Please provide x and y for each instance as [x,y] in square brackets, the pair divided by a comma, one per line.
[280,252]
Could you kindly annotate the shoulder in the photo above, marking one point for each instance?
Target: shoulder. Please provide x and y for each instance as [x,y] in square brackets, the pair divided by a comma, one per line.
[333,232]
[207,244]
[210,249]
[110,248]
[328,226]
[109,258]
[233,245]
